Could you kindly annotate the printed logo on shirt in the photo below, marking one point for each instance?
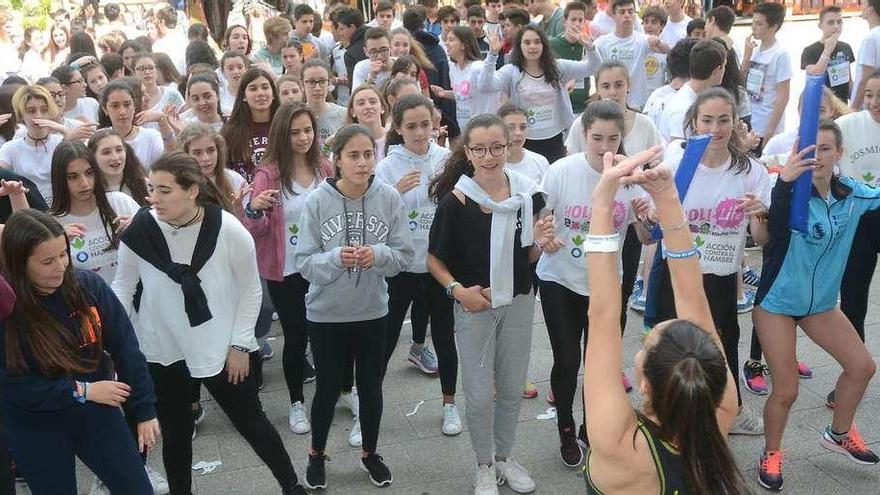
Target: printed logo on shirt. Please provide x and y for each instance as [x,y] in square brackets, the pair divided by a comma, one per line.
[336,224]
[717,232]
[652,65]
[78,245]
[755,81]
[622,53]
[294,238]
[818,230]
[463,89]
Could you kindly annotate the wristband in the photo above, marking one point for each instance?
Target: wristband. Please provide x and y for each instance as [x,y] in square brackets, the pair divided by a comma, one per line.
[682,225]
[240,348]
[602,243]
[451,287]
[79,391]
[678,255]
[252,213]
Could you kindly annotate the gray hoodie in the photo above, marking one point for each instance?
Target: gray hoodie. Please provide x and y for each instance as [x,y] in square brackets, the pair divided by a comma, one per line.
[419,208]
[329,222]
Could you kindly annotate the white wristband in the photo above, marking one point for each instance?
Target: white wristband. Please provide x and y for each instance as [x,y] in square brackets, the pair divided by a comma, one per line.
[602,243]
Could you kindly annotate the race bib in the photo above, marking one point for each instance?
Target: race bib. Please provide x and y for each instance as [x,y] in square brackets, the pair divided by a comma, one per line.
[838,72]
[420,220]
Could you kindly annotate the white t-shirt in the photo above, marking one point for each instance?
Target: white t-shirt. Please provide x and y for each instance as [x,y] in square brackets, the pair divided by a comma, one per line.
[93,251]
[767,69]
[532,165]
[604,23]
[34,163]
[778,148]
[337,56]
[469,100]
[148,146]
[869,54]
[861,146]
[655,71]
[361,72]
[642,136]
[330,121]
[657,103]
[190,117]
[174,45]
[293,208]
[85,107]
[33,66]
[672,120]
[539,100]
[673,32]
[631,51]
[711,207]
[569,184]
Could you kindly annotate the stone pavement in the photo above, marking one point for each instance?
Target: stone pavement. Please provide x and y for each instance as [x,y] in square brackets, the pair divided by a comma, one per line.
[423,461]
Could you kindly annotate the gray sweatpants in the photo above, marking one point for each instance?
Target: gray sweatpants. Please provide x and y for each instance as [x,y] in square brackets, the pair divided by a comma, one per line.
[493,353]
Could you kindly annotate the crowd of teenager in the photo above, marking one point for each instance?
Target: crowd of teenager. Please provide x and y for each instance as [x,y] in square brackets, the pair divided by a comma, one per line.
[166,193]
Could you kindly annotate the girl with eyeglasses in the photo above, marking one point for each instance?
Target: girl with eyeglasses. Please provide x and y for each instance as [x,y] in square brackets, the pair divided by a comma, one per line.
[412,161]
[316,78]
[484,234]
[161,97]
[76,104]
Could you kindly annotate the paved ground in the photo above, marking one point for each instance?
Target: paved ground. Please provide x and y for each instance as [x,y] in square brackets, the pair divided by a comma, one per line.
[425,462]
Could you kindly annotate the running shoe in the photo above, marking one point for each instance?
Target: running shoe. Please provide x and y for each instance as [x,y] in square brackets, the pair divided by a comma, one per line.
[627,385]
[451,420]
[569,450]
[551,399]
[316,476]
[530,391]
[517,478]
[266,351]
[770,470]
[355,439]
[747,423]
[747,303]
[309,374]
[375,466]
[583,441]
[830,401]
[639,297]
[750,276]
[198,414]
[159,483]
[485,481]
[804,371]
[422,357]
[852,446]
[275,316]
[297,420]
[753,377]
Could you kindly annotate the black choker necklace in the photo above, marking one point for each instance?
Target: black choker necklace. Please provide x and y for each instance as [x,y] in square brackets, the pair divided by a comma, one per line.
[129,132]
[175,228]
[37,141]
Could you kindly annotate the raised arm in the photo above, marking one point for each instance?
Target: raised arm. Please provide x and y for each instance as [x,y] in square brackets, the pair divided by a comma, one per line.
[491,79]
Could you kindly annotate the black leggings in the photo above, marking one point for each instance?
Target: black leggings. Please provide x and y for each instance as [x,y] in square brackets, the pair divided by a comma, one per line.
[565,315]
[330,342]
[428,299]
[552,148]
[721,294]
[288,297]
[630,256]
[860,266]
[240,403]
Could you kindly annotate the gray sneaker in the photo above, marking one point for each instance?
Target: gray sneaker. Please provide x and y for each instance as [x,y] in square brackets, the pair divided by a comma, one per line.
[423,358]
[747,423]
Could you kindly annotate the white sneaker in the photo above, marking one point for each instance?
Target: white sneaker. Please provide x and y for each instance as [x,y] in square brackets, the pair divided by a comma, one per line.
[451,420]
[516,476]
[485,482]
[354,437]
[98,487]
[747,423]
[297,419]
[351,401]
[159,484]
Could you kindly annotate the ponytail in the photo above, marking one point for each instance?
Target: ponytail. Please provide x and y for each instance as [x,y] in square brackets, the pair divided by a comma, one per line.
[688,376]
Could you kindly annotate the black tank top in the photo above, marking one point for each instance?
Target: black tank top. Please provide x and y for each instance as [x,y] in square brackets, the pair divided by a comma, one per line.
[667,460]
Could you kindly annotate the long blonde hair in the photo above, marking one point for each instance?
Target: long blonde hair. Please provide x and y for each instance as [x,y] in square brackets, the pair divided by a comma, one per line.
[415,49]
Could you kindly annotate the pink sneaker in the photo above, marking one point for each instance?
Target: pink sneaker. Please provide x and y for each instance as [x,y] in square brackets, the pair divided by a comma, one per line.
[804,371]
[627,385]
[753,376]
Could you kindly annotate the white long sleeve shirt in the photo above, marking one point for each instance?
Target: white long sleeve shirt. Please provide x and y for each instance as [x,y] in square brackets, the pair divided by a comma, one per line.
[231,284]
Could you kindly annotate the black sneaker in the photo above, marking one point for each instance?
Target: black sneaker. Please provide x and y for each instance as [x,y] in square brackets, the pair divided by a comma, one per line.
[379,473]
[198,414]
[569,450]
[830,401]
[308,371]
[316,477]
[296,490]
[583,441]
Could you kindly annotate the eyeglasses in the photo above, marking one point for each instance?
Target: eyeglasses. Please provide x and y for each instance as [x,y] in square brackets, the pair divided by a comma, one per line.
[58,94]
[379,52]
[145,68]
[494,150]
[316,82]
[75,81]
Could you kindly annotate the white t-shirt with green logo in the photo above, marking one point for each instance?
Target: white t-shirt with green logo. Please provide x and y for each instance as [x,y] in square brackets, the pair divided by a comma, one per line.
[861,147]
[713,214]
[569,183]
[293,208]
[93,251]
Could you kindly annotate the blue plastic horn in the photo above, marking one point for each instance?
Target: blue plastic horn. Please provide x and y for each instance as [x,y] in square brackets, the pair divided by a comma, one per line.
[802,189]
[687,168]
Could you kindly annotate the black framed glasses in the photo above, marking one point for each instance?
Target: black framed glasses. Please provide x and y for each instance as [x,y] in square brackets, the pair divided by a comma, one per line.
[316,82]
[145,68]
[494,150]
[378,53]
